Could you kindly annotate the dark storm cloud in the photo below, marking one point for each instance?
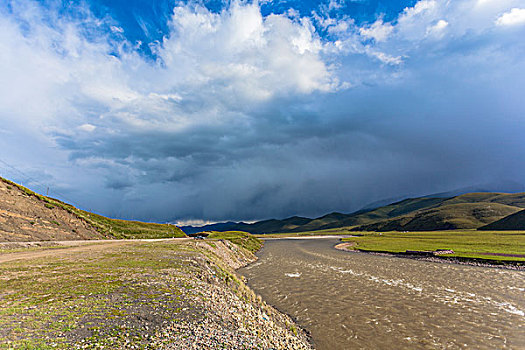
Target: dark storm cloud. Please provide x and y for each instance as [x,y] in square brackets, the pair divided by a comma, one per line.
[259,117]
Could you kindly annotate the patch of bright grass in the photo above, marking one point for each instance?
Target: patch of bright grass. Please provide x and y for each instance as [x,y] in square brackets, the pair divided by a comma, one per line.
[45,300]
[132,229]
[243,239]
[464,243]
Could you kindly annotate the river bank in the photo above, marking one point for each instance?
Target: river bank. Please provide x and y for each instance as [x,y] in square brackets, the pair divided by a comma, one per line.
[518,266]
[135,294]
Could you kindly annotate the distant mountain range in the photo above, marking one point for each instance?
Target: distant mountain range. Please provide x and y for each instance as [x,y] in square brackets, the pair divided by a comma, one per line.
[465,211]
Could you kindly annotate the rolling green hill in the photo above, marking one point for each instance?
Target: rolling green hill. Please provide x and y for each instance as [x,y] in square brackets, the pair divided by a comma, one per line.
[273,225]
[513,222]
[383,213]
[512,199]
[467,211]
[444,217]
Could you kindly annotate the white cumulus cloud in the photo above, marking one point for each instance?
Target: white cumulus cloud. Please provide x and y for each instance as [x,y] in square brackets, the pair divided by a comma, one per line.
[245,116]
[515,16]
[379,31]
[437,29]
[257,57]
[87,127]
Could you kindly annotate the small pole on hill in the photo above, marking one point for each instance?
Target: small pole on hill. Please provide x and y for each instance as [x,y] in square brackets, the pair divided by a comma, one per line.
[47,192]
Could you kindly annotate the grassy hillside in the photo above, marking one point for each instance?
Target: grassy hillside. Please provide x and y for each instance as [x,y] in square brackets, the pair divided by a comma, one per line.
[512,199]
[101,227]
[467,211]
[383,213]
[273,225]
[242,239]
[131,229]
[444,217]
[329,221]
[514,221]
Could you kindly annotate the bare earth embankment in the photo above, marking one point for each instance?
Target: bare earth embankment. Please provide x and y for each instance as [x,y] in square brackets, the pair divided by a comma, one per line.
[162,294]
[26,216]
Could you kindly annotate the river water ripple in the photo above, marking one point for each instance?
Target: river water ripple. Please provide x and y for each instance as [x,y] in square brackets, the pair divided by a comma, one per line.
[362,301]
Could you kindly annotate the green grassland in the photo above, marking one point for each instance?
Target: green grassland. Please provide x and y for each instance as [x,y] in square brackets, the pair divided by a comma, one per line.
[121,296]
[54,302]
[243,239]
[131,229]
[464,243]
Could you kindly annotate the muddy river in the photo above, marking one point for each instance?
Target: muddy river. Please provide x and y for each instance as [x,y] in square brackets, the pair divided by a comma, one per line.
[356,300]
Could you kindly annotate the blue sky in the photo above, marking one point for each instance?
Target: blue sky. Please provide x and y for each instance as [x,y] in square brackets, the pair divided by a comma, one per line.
[147,20]
[208,111]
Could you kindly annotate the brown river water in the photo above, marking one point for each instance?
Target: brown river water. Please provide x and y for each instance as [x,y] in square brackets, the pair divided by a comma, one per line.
[363,301]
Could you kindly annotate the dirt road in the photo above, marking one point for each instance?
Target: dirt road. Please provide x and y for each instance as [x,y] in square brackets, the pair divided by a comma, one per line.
[56,248]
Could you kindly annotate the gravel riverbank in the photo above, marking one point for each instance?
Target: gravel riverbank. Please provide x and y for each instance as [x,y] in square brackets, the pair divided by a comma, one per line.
[233,316]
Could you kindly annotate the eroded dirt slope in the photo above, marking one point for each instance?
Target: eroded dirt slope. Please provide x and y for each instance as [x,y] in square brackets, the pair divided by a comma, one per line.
[24,217]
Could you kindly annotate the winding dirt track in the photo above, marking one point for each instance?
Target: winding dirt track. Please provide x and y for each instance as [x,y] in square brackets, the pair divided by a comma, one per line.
[74,247]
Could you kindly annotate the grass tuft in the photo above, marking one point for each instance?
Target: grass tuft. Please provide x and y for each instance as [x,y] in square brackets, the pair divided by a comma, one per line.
[243,239]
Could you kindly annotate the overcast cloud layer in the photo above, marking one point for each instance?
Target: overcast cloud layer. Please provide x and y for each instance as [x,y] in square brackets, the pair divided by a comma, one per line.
[236,115]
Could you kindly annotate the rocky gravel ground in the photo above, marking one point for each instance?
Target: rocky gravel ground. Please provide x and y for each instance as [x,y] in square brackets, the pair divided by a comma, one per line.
[143,295]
